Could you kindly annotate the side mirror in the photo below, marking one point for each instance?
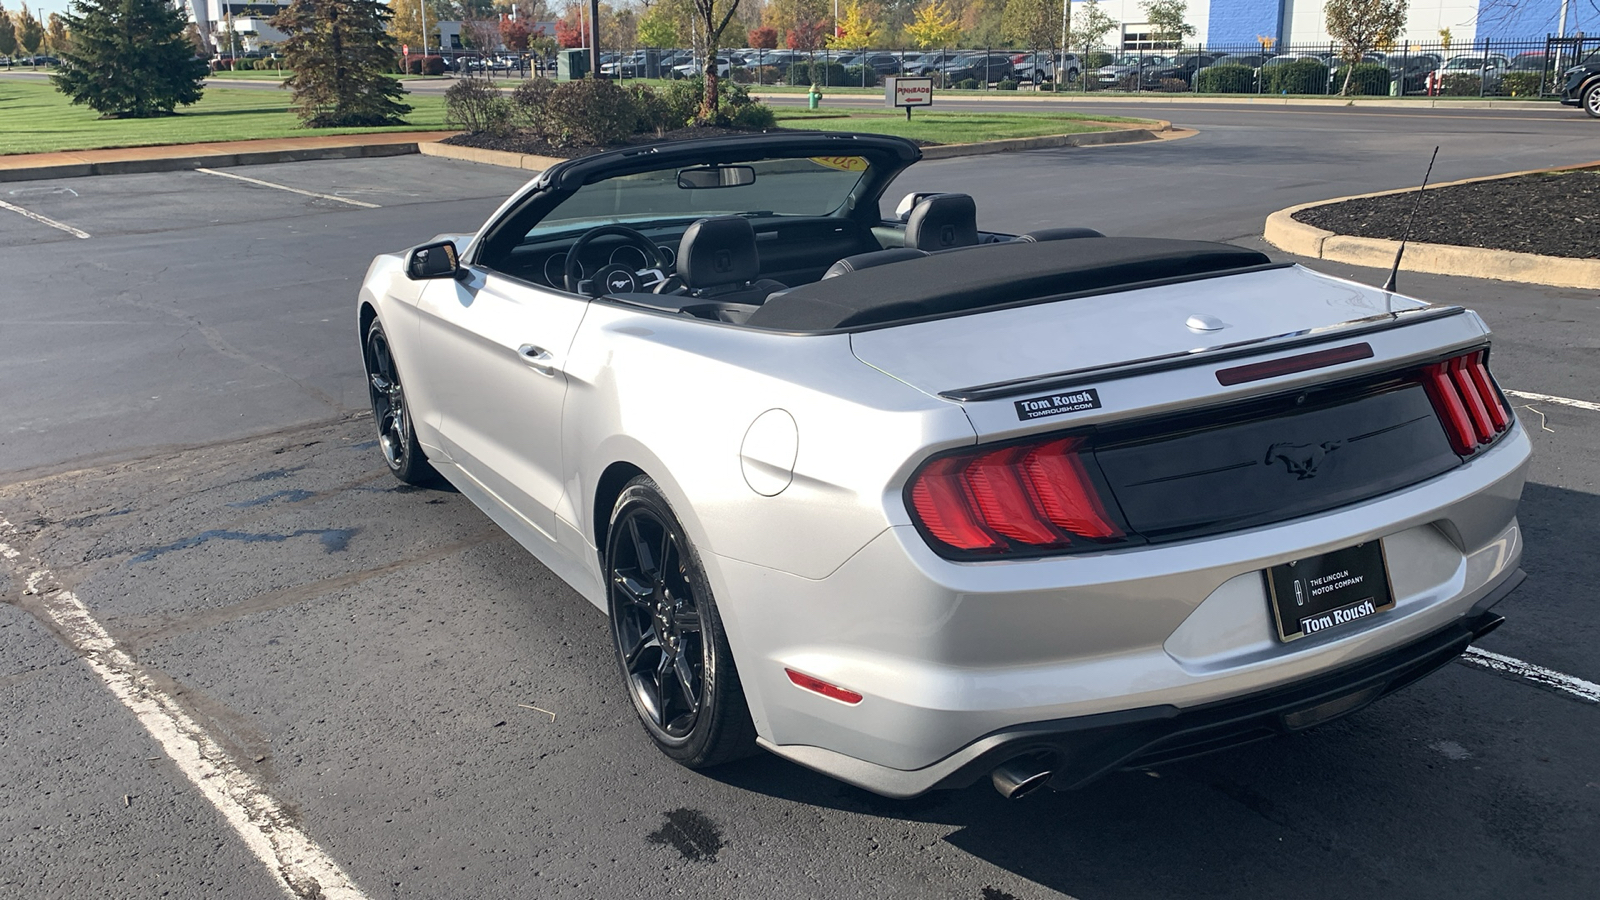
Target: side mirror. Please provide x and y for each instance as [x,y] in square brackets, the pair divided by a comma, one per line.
[432,261]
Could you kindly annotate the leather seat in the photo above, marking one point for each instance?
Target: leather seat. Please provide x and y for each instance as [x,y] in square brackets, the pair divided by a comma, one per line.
[942,222]
[717,260]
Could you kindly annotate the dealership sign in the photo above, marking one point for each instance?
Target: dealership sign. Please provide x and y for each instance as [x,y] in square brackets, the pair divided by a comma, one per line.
[904,93]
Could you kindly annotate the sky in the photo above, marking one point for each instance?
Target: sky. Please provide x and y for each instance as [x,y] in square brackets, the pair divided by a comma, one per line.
[42,7]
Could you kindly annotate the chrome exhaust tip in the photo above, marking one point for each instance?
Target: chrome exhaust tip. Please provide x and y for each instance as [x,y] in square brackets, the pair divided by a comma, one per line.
[1022,775]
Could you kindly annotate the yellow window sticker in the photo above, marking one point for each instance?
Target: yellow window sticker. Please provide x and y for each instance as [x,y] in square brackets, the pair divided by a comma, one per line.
[842,163]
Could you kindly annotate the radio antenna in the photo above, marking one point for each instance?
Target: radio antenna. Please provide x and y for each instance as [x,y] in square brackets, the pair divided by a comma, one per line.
[1404,235]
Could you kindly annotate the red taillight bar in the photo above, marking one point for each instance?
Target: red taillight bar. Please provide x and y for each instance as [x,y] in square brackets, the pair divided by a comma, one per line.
[1467,403]
[1017,498]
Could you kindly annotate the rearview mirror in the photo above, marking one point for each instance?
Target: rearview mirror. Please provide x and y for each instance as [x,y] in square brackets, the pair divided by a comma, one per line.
[716,177]
[432,261]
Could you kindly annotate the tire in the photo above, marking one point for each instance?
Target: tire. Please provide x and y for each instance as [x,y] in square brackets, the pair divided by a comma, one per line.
[1591,100]
[396,438]
[670,645]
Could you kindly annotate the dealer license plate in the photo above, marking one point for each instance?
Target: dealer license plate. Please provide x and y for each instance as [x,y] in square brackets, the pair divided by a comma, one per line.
[1312,595]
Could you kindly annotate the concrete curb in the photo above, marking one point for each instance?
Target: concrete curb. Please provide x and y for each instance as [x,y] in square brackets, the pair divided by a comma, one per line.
[1128,135]
[502,158]
[943,151]
[1291,236]
[210,160]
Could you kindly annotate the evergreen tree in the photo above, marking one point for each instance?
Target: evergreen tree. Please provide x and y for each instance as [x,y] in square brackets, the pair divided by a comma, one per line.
[129,59]
[340,51]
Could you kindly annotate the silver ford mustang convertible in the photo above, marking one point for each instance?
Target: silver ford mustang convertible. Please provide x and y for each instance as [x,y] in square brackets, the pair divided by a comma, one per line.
[912,503]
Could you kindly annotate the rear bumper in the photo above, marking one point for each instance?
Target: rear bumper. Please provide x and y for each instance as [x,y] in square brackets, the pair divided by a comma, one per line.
[1082,749]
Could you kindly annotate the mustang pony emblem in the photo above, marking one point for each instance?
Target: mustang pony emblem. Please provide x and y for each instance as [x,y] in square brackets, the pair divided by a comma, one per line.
[1301,460]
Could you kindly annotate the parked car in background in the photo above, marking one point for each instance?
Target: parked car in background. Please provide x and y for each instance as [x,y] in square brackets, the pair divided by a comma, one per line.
[1180,68]
[986,68]
[1490,69]
[1124,66]
[1041,67]
[695,68]
[1412,71]
[1582,86]
[934,62]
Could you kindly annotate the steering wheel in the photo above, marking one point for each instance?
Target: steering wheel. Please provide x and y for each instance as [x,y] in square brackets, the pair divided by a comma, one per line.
[612,279]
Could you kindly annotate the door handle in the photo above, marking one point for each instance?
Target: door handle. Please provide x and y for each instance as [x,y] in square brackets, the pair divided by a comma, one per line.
[537,358]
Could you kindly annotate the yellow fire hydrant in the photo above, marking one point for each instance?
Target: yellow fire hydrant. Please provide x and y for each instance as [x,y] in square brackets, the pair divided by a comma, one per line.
[813,96]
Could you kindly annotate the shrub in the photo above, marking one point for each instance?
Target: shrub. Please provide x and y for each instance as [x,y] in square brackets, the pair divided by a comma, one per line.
[1227,79]
[1005,84]
[800,73]
[1172,85]
[1130,82]
[244,65]
[861,76]
[754,116]
[589,111]
[1522,84]
[828,74]
[1096,59]
[968,84]
[767,74]
[1462,84]
[742,75]
[475,105]
[425,65]
[1303,76]
[530,106]
[1370,80]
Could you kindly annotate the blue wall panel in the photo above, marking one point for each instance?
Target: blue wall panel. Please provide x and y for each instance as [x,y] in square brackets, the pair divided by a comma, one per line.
[1241,21]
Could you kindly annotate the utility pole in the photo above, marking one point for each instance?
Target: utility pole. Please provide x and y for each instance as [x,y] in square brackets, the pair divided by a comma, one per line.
[594,37]
[423,8]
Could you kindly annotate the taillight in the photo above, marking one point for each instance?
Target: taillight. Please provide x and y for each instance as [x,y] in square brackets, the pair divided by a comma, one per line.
[1467,402]
[1015,499]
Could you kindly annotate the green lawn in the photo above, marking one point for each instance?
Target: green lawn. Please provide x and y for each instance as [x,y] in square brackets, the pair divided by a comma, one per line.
[38,119]
[944,127]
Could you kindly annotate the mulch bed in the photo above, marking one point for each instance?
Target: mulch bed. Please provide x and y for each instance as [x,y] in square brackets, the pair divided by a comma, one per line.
[1551,214]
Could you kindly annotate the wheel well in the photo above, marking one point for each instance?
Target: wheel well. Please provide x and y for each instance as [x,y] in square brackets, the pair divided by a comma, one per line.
[367,315]
[612,481]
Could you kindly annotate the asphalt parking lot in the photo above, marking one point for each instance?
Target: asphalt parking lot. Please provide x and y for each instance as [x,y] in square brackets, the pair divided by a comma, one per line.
[437,716]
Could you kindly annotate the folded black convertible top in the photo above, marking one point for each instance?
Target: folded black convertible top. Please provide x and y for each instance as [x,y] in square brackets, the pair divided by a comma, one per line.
[991,276]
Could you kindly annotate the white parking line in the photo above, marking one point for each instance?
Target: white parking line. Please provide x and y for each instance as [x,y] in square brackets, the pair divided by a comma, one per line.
[299,866]
[1564,401]
[45,220]
[1573,685]
[292,190]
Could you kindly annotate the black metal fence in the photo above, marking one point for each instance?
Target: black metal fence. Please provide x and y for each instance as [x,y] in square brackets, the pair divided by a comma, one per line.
[1484,68]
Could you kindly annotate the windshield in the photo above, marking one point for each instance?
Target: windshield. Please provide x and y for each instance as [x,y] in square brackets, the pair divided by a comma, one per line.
[782,187]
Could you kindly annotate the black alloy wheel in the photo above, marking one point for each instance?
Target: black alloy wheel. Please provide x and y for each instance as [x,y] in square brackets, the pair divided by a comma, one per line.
[396,438]
[670,645]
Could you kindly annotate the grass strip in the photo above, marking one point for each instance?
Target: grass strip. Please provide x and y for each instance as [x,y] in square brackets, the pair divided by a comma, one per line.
[944,127]
[38,119]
